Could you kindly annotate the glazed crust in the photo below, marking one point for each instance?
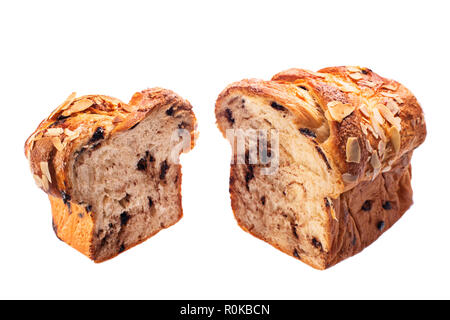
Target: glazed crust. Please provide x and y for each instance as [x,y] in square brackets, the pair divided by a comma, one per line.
[385,121]
[78,124]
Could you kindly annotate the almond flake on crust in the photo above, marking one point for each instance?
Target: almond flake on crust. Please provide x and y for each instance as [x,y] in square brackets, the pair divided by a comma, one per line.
[78,106]
[368,83]
[45,184]
[394,135]
[349,178]
[45,171]
[381,148]
[369,146]
[353,150]
[396,97]
[375,161]
[52,132]
[393,107]
[353,69]
[129,108]
[338,110]
[389,87]
[356,76]
[57,143]
[364,111]
[387,114]
[377,116]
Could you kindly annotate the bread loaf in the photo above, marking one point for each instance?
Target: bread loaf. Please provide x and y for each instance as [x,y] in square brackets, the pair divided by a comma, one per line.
[111,169]
[341,140]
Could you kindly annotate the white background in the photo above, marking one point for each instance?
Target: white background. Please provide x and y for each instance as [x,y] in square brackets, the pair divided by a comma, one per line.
[50,48]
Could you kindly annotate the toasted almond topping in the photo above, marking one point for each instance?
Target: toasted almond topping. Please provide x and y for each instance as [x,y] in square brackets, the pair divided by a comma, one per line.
[57,143]
[349,178]
[51,132]
[45,171]
[68,101]
[338,110]
[393,107]
[78,106]
[392,95]
[38,180]
[377,116]
[364,111]
[72,135]
[353,69]
[374,132]
[386,169]
[375,161]
[45,184]
[381,148]
[364,129]
[387,114]
[368,83]
[389,87]
[356,76]
[353,150]
[394,135]
[129,108]
[369,146]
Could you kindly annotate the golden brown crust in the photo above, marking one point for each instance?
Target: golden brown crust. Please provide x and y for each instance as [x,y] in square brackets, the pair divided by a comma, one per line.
[77,124]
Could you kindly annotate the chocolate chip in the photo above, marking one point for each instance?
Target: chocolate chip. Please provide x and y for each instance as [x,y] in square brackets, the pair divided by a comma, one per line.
[121,248]
[229,115]
[110,225]
[364,71]
[124,217]
[316,243]
[367,205]
[387,205]
[169,111]
[380,225]
[296,254]
[61,117]
[263,200]
[327,203]
[303,87]
[98,135]
[149,156]
[294,230]
[277,106]
[65,197]
[134,126]
[307,132]
[164,168]
[150,202]
[88,208]
[142,164]
[249,175]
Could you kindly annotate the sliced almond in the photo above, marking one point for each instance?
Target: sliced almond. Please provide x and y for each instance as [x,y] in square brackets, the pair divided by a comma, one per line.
[394,135]
[377,116]
[386,169]
[57,143]
[375,161]
[356,76]
[370,84]
[338,110]
[381,148]
[353,69]
[38,180]
[393,107]
[364,111]
[78,106]
[353,150]
[369,146]
[364,129]
[51,132]
[392,95]
[129,108]
[45,184]
[45,171]
[349,178]
[389,87]
[68,101]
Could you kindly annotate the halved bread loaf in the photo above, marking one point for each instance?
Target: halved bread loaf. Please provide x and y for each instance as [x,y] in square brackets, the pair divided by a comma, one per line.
[111,169]
[333,171]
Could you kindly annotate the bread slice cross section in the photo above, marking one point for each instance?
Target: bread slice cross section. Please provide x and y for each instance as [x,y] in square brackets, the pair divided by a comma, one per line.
[111,169]
[321,160]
